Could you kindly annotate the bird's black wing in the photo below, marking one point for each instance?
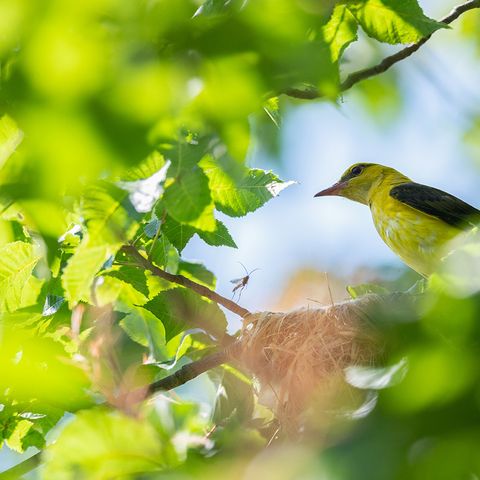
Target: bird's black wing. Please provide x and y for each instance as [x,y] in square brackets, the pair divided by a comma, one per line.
[437,203]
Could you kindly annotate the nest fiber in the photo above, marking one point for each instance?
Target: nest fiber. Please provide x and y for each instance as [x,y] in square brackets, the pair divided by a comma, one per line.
[300,352]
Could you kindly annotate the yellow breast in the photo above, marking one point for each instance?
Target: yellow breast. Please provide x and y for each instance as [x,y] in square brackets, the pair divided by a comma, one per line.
[417,238]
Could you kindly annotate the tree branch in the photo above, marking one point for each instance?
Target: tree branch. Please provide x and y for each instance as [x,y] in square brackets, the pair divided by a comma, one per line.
[21,468]
[189,372]
[185,282]
[311,93]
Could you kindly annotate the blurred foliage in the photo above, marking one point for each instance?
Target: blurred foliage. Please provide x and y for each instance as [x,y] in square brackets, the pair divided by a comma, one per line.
[130,123]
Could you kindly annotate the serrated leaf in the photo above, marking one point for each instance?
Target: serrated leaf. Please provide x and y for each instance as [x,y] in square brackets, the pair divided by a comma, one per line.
[238,196]
[206,220]
[152,227]
[109,215]
[126,284]
[179,234]
[185,154]
[133,276]
[164,254]
[147,330]
[111,290]
[17,261]
[340,31]
[151,165]
[10,138]
[81,270]
[188,196]
[180,309]
[220,236]
[393,21]
[16,437]
[99,444]
[197,272]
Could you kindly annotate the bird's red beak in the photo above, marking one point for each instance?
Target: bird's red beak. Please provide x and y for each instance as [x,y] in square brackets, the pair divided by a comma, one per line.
[335,189]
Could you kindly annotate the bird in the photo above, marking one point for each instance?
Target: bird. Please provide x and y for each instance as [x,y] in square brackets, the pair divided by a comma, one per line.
[416,221]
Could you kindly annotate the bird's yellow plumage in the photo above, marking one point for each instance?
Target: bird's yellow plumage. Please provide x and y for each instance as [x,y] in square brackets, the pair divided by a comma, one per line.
[414,220]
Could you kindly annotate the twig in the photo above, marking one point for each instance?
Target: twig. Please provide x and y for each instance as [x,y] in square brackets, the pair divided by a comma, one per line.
[311,93]
[185,282]
[189,372]
[22,468]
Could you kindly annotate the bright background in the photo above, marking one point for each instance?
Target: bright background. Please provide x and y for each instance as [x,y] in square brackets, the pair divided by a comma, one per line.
[423,137]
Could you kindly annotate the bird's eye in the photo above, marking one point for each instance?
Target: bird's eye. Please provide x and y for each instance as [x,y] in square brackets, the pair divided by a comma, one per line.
[356,170]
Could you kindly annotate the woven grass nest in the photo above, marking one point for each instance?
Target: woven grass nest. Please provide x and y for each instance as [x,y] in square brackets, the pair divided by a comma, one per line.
[300,353]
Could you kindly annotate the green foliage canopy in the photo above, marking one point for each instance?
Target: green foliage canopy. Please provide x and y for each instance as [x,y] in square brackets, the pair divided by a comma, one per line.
[130,123]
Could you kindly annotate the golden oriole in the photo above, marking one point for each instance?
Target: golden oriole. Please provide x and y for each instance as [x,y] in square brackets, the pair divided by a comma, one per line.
[414,220]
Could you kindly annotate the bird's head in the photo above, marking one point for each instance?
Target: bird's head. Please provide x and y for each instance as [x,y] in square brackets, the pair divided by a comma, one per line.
[359,180]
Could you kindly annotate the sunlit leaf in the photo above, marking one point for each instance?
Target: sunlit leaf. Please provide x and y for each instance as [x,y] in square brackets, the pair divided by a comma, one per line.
[197,272]
[238,196]
[188,196]
[179,234]
[147,330]
[109,215]
[10,137]
[393,21]
[164,254]
[78,275]
[99,444]
[220,236]
[17,261]
[340,31]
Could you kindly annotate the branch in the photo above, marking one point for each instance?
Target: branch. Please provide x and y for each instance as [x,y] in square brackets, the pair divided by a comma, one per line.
[185,282]
[22,468]
[311,93]
[189,372]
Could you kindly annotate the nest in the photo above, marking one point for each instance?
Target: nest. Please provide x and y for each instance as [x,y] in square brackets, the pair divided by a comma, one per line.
[300,353]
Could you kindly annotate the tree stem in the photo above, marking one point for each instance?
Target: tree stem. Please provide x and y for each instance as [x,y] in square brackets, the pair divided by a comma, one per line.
[311,93]
[186,282]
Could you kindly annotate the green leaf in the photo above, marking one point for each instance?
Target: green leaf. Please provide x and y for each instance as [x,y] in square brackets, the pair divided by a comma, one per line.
[340,31]
[206,221]
[238,195]
[393,21]
[185,153]
[187,199]
[111,220]
[151,165]
[197,272]
[179,234]
[17,261]
[180,309]
[220,236]
[235,399]
[109,215]
[147,330]
[164,254]
[99,444]
[133,276]
[10,138]
[126,284]
[40,372]
[81,269]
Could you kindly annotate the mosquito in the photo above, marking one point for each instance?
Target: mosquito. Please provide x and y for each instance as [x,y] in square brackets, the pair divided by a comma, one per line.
[241,283]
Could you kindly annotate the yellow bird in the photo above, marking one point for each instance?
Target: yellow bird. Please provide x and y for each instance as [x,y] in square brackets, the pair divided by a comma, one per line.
[414,220]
